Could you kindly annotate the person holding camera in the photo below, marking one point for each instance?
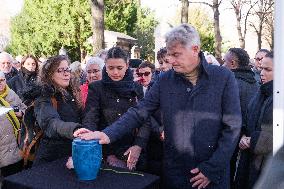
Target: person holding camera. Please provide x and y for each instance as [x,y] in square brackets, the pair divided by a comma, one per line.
[10,159]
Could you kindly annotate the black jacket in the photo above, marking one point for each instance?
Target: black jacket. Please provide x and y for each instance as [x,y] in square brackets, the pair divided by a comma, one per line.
[258,126]
[104,106]
[22,82]
[11,74]
[248,87]
[58,125]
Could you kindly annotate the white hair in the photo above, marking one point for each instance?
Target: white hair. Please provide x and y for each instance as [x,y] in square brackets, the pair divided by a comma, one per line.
[4,55]
[184,34]
[214,61]
[2,74]
[75,66]
[95,60]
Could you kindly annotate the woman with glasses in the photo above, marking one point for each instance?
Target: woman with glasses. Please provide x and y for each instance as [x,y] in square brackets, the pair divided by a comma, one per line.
[26,77]
[57,110]
[10,159]
[107,101]
[93,69]
[145,73]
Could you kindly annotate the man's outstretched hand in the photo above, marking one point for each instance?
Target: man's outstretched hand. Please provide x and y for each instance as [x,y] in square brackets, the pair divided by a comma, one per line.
[80,131]
[96,135]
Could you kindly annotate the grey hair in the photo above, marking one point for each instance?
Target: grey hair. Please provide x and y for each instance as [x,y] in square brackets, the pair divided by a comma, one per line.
[184,34]
[101,53]
[5,54]
[95,60]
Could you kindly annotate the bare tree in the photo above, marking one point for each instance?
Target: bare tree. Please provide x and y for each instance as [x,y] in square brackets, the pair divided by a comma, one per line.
[97,7]
[269,29]
[242,18]
[262,10]
[184,11]
[218,38]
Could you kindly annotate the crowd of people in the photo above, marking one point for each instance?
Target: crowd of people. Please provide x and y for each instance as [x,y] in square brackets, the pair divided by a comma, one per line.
[193,121]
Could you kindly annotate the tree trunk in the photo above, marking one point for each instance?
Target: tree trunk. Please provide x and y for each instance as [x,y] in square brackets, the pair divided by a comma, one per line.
[237,10]
[259,35]
[184,11]
[218,38]
[97,7]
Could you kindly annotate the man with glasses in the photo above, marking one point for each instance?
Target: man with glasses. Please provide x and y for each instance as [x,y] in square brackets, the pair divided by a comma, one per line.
[6,61]
[257,62]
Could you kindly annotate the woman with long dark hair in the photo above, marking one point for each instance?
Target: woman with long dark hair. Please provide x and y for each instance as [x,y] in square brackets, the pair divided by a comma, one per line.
[108,99]
[58,123]
[26,77]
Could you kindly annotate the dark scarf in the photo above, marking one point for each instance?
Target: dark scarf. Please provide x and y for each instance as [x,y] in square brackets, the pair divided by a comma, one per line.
[258,106]
[124,87]
[28,75]
[246,75]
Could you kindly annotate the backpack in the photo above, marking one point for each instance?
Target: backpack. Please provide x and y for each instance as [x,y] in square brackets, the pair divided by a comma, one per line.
[30,134]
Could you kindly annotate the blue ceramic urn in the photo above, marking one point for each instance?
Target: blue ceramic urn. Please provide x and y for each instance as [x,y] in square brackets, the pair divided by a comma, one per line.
[87,157]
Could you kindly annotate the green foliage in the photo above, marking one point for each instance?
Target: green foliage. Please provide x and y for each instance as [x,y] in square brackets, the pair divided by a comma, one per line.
[198,17]
[204,25]
[144,32]
[121,16]
[127,17]
[45,25]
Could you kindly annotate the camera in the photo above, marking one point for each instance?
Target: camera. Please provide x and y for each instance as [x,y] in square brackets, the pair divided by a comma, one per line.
[16,109]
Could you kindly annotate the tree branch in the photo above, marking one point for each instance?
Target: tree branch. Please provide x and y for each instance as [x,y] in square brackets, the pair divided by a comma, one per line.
[201,2]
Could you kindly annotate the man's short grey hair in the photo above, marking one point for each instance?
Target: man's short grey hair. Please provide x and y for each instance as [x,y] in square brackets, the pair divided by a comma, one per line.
[183,34]
[95,60]
[5,54]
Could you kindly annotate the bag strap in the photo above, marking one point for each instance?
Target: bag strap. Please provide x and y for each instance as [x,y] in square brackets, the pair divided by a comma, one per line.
[54,102]
[26,150]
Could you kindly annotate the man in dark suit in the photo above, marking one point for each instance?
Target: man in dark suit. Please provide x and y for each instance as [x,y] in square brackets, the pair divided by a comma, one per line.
[201,114]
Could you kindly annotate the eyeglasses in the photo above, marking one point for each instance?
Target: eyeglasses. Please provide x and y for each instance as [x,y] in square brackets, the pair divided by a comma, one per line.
[93,71]
[62,70]
[258,59]
[5,62]
[139,74]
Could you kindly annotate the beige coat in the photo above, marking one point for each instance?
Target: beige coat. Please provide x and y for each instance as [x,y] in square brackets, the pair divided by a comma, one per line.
[9,151]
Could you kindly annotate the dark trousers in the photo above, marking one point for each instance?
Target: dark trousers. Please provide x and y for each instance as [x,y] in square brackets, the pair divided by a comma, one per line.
[12,169]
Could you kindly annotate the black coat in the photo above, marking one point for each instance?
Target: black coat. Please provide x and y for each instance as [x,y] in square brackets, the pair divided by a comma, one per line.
[22,82]
[201,124]
[248,87]
[258,126]
[58,125]
[11,74]
[103,107]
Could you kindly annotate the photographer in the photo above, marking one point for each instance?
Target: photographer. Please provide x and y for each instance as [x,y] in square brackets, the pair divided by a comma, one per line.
[10,160]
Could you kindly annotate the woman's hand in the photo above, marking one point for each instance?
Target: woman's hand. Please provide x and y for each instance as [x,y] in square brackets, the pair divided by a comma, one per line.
[112,160]
[244,142]
[80,131]
[69,163]
[162,136]
[96,135]
[19,114]
[134,153]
